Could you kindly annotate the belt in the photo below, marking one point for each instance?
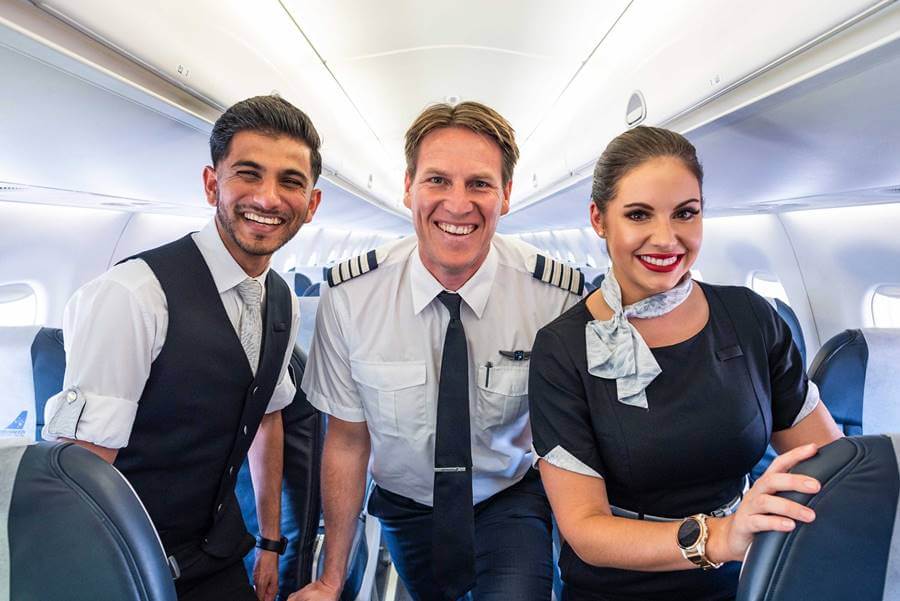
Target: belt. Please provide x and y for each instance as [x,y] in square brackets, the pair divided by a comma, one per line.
[720,512]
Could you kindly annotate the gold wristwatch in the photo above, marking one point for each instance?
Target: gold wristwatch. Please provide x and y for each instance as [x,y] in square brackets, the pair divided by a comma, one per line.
[692,536]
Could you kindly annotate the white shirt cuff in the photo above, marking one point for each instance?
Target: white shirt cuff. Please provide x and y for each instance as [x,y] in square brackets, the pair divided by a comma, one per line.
[348,414]
[810,403]
[561,458]
[102,420]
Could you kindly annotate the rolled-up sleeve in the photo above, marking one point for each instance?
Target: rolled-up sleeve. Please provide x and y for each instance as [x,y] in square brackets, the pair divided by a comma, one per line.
[111,336]
[327,380]
[560,417]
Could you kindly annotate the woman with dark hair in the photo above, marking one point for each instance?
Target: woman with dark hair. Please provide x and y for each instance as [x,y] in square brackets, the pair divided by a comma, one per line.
[653,398]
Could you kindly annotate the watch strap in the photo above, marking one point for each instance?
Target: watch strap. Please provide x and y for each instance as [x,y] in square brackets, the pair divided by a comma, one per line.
[267,544]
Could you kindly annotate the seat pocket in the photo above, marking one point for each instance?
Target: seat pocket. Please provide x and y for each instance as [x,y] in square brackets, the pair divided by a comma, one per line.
[394,397]
[502,395]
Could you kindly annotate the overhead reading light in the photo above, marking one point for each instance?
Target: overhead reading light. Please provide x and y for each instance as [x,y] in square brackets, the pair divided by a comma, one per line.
[452,100]
[637,109]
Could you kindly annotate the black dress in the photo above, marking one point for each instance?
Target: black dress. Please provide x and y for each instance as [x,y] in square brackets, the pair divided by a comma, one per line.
[711,413]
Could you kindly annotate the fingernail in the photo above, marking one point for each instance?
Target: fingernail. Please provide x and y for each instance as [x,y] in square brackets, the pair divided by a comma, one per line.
[789,524]
[811,485]
[810,515]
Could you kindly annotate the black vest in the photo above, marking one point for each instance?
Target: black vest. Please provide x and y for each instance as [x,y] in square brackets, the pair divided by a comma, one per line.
[201,406]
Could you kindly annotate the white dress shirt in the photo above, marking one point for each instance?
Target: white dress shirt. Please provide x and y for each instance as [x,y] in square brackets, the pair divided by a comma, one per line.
[115,327]
[376,357]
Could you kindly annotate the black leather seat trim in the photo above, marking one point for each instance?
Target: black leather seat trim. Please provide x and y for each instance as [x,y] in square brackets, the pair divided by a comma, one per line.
[78,532]
[843,553]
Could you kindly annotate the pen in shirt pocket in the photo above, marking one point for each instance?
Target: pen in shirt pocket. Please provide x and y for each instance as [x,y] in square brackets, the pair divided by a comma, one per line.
[487,373]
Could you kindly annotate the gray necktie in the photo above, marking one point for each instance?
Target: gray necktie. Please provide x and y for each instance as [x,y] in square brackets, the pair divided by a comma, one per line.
[250,292]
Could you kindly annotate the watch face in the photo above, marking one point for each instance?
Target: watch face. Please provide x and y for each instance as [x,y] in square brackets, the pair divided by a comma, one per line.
[688,533]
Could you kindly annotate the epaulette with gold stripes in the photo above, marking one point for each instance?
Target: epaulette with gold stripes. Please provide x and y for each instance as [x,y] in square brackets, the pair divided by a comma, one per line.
[352,268]
[551,271]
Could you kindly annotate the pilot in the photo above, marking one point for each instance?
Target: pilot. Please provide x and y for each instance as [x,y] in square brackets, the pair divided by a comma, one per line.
[177,357]
[421,352]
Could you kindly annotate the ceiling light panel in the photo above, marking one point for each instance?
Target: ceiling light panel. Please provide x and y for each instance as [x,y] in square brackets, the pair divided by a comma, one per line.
[396,57]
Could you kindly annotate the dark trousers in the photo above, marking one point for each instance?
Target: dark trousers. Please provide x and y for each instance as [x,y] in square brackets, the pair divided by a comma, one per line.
[513,546]
[207,578]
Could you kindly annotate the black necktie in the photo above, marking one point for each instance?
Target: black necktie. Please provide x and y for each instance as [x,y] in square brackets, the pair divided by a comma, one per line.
[453,539]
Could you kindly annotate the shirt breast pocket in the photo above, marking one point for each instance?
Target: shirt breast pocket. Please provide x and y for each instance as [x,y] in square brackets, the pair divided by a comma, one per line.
[502,395]
[394,397]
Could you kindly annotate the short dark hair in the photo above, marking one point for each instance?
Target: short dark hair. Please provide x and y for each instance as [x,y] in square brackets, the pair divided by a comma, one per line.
[267,115]
[633,148]
[474,116]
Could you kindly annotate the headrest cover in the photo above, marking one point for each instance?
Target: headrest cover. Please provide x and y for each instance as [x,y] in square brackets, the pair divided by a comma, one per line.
[17,408]
[881,395]
[10,457]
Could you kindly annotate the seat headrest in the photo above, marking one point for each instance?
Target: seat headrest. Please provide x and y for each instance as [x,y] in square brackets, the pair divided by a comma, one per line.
[313,289]
[308,307]
[17,394]
[790,318]
[301,283]
[839,370]
[852,549]
[881,393]
[97,542]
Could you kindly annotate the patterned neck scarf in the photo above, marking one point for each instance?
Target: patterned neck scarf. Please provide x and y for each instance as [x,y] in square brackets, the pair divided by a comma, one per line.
[616,350]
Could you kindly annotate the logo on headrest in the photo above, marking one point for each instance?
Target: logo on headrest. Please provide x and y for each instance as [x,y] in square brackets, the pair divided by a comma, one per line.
[16,428]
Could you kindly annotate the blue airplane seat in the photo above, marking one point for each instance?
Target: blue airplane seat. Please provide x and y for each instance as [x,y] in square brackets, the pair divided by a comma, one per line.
[301,283]
[76,530]
[598,280]
[313,290]
[849,551]
[790,318]
[48,366]
[856,371]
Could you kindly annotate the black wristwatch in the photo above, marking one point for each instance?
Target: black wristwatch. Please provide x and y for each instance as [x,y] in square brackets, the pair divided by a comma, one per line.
[267,544]
[692,536]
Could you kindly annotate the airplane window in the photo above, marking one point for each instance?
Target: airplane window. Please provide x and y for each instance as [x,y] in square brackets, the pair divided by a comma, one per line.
[768,285]
[591,261]
[290,263]
[886,307]
[18,305]
[313,259]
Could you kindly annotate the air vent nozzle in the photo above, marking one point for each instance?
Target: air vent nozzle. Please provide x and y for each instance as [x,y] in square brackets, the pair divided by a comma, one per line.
[636,111]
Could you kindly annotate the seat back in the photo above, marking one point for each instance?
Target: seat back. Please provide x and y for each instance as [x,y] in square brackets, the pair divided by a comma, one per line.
[313,289]
[18,411]
[852,549]
[301,283]
[790,318]
[76,529]
[857,375]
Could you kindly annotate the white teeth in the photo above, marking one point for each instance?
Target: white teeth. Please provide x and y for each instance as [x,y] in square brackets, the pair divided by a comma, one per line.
[261,219]
[460,230]
[660,262]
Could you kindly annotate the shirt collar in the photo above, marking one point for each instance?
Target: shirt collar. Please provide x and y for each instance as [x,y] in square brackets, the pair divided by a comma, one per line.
[475,292]
[225,271]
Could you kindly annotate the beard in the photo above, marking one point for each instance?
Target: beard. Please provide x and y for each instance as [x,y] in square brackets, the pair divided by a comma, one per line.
[256,245]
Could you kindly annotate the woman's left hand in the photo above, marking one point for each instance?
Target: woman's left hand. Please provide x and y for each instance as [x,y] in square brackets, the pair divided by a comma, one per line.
[762,510]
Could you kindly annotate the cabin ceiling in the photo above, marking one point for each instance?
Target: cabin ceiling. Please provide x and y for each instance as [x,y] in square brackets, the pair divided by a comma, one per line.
[829,141]
[562,73]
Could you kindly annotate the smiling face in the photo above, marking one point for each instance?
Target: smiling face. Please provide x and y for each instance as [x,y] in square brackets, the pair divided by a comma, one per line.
[263,192]
[456,196]
[653,227]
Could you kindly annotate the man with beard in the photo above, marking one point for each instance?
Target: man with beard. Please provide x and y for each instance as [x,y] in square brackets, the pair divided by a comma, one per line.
[177,357]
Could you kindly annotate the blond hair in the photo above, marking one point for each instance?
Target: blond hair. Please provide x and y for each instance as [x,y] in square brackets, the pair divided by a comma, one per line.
[474,116]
